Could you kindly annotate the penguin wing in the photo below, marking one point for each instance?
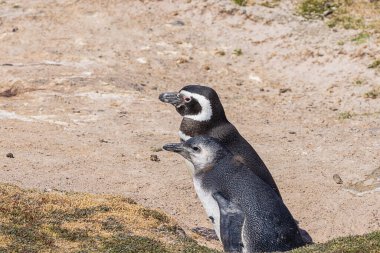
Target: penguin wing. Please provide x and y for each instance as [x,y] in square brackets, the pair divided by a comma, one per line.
[231,224]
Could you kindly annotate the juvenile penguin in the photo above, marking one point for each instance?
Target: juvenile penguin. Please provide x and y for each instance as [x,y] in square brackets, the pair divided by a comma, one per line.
[203,114]
[247,214]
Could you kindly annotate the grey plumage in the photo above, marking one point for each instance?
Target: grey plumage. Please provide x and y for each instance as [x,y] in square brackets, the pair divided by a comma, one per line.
[250,211]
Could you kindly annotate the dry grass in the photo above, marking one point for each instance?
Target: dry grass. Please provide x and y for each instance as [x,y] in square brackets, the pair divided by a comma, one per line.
[31,221]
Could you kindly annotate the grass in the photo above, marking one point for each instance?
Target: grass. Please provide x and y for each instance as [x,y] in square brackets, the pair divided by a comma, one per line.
[346,21]
[348,14]
[375,64]
[32,221]
[240,2]
[369,243]
[271,3]
[345,115]
[311,9]
[361,38]
[238,52]
[375,93]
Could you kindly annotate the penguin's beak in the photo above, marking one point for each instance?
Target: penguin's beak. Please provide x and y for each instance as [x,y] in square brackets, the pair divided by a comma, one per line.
[174,147]
[173,98]
[178,148]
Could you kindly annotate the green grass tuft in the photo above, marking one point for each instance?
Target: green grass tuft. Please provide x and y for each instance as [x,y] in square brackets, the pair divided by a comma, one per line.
[348,14]
[149,213]
[375,64]
[345,115]
[271,3]
[361,38]
[133,244]
[347,22]
[369,243]
[240,2]
[311,9]
[375,93]
[238,52]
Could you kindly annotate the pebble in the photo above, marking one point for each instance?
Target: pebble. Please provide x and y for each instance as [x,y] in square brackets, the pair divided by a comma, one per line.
[154,158]
[337,179]
[178,23]
[284,90]
[10,155]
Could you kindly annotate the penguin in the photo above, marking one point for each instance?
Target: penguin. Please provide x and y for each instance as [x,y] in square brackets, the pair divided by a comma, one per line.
[247,214]
[203,114]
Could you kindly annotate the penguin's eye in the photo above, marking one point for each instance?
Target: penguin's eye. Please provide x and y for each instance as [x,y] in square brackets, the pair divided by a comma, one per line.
[187,99]
[196,148]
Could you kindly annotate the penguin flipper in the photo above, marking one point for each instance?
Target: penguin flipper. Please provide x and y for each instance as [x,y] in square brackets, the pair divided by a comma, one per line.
[231,224]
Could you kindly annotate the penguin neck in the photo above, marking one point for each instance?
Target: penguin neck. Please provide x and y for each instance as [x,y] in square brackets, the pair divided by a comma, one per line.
[191,128]
[220,158]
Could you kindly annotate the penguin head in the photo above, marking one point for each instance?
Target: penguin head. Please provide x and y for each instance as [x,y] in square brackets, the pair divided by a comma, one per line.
[202,151]
[196,102]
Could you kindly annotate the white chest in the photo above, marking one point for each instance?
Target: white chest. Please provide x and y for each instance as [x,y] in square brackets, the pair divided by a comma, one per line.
[209,204]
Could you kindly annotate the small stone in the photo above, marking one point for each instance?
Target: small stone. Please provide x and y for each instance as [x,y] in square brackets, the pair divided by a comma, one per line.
[15,29]
[48,190]
[337,179]
[284,90]
[154,158]
[292,132]
[11,92]
[178,23]
[10,155]
[220,52]
[182,60]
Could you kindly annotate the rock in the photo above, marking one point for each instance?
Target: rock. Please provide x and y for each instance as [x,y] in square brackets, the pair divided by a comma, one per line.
[284,90]
[48,190]
[182,60]
[11,92]
[178,23]
[154,158]
[254,78]
[337,179]
[10,155]
[206,67]
[208,234]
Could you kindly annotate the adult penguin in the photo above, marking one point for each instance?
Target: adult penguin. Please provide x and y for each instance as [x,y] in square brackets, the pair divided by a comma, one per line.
[203,114]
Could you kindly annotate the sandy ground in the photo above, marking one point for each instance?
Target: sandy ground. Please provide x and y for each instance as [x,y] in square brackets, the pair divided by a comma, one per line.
[85,117]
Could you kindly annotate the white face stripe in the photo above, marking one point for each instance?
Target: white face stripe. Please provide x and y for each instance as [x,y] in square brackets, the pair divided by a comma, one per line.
[206,112]
[183,136]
